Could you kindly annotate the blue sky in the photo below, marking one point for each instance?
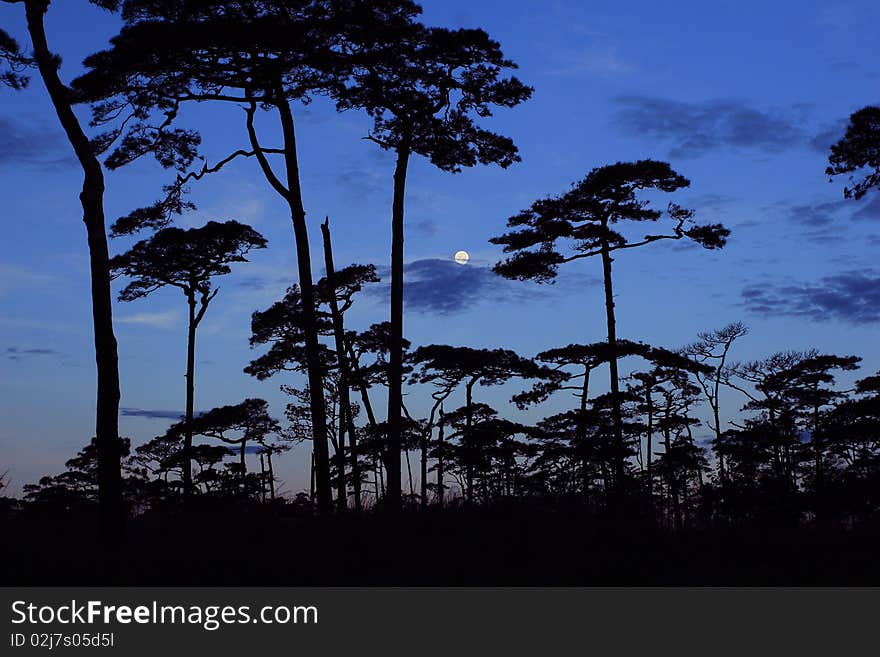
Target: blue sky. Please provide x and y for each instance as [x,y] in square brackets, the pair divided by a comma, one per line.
[740,97]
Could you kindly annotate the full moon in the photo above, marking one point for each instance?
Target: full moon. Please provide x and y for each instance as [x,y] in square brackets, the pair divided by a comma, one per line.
[462,257]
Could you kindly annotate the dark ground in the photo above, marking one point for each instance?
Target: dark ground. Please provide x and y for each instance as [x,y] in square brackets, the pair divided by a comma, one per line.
[502,547]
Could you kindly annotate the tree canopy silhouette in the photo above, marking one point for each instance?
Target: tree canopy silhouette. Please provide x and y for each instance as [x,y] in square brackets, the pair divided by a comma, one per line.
[425,88]
[582,219]
[449,366]
[187,259]
[256,55]
[858,151]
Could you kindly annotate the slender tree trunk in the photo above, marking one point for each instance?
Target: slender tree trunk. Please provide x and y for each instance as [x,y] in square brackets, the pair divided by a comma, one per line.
[190,397]
[649,439]
[371,418]
[381,479]
[716,413]
[262,479]
[582,436]
[819,484]
[271,475]
[309,323]
[612,366]
[339,445]
[673,482]
[395,357]
[110,502]
[362,387]
[468,446]
[342,361]
[423,472]
[243,464]
[412,489]
[312,477]
[440,461]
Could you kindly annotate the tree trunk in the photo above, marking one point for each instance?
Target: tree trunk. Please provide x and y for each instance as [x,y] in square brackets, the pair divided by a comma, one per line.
[190,397]
[312,477]
[468,446]
[362,387]
[423,473]
[271,475]
[242,462]
[342,361]
[395,358]
[412,489]
[649,438]
[92,200]
[339,445]
[673,482]
[612,366]
[582,435]
[309,323]
[440,459]
[716,413]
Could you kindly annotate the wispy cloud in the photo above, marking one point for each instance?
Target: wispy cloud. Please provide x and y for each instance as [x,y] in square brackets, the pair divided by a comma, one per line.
[867,208]
[851,296]
[17,353]
[816,214]
[601,60]
[13,277]
[164,320]
[33,145]
[151,413]
[825,214]
[425,228]
[827,136]
[692,129]
[435,285]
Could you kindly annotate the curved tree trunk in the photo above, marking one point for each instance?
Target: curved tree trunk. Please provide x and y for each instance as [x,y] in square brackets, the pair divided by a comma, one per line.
[317,405]
[92,200]
[395,359]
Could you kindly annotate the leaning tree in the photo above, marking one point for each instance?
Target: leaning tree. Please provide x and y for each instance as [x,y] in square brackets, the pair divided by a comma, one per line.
[425,89]
[187,259]
[581,223]
[92,201]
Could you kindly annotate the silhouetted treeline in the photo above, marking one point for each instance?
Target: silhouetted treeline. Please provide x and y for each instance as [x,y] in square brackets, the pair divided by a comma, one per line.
[662,449]
[807,452]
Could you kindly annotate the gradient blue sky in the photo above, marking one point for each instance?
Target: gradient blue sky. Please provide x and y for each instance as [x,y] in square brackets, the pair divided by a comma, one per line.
[741,97]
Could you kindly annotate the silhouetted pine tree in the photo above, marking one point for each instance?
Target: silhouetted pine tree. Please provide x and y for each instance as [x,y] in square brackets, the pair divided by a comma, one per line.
[256,55]
[92,200]
[451,366]
[425,88]
[858,151]
[188,260]
[584,217]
